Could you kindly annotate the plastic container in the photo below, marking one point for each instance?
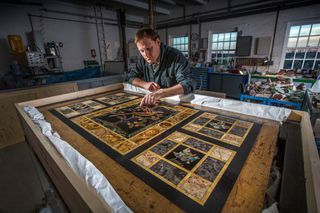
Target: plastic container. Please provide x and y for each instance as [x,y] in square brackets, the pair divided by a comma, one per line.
[16,44]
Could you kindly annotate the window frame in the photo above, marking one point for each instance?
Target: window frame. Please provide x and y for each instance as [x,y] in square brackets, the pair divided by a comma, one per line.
[184,52]
[209,52]
[285,43]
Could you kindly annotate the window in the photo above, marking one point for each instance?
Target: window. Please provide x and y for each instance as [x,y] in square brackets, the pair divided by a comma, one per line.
[223,47]
[182,44]
[302,47]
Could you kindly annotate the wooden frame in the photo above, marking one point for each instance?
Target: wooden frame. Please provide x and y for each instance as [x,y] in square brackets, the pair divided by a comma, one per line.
[311,160]
[247,194]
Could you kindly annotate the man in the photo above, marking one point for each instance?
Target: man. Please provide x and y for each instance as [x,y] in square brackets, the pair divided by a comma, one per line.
[162,70]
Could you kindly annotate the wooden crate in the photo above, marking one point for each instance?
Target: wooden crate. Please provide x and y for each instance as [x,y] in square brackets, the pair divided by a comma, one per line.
[10,129]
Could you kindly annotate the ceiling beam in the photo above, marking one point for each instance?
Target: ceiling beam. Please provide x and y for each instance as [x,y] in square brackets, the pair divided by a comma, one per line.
[142,5]
[171,2]
[202,2]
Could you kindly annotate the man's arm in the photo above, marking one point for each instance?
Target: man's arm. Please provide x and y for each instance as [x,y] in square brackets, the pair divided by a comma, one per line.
[151,86]
[183,74]
[154,98]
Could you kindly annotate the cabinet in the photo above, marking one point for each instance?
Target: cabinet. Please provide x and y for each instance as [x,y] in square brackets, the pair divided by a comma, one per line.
[231,84]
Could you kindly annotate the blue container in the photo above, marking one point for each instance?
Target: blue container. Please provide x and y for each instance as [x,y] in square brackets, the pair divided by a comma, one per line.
[254,99]
[288,104]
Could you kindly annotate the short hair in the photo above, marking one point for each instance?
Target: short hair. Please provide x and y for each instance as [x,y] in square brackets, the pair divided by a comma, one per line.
[146,33]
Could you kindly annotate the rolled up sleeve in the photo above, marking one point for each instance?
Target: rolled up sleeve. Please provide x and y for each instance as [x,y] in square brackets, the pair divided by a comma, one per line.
[183,74]
[135,73]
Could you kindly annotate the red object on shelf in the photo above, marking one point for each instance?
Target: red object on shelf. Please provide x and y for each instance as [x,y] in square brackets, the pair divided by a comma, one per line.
[93,53]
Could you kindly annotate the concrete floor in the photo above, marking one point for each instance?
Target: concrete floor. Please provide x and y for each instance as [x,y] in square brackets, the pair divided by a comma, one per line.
[24,186]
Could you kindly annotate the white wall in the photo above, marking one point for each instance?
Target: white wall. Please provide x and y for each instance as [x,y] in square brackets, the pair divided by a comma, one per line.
[78,37]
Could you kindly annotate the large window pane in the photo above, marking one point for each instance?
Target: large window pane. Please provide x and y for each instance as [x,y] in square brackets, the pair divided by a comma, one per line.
[311,54]
[220,45]
[214,46]
[313,41]
[214,37]
[317,65]
[292,42]
[315,29]
[305,30]
[300,54]
[232,45]
[308,64]
[294,31]
[226,45]
[302,42]
[221,37]
[233,36]
[289,54]
[227,36]
[297,64]
[287,64]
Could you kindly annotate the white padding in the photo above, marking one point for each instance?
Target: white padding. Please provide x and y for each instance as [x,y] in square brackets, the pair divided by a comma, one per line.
[79,164]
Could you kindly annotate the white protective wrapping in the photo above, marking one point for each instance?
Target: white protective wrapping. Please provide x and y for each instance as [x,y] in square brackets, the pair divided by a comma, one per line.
[279,114]
[79,164]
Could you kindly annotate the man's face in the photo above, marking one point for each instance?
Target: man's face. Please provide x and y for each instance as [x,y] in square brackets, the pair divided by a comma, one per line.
[149,49]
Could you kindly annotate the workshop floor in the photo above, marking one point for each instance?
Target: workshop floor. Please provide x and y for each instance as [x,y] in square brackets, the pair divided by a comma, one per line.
[24,185]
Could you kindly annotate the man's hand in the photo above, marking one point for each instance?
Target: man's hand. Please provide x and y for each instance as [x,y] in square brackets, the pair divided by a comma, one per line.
[152,98]
[151,86]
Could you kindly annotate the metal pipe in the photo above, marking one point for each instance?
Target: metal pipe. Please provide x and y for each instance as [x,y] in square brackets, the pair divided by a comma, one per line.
[76,14]
[189,38]
[274,34]
[129,22]
[199,32]
[98,38]
[151,14]
[122,33]
[72,20]
[167,37]
[30,20]
[103,35]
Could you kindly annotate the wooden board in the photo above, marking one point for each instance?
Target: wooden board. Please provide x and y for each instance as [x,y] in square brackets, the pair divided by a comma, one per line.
[10,129]
[311,161]
[246,196]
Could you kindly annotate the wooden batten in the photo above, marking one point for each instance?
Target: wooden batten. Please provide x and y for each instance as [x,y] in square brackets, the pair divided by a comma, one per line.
[71,96]
[311,164]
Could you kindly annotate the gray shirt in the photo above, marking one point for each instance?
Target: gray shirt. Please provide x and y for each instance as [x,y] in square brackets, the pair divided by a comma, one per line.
[173,69]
